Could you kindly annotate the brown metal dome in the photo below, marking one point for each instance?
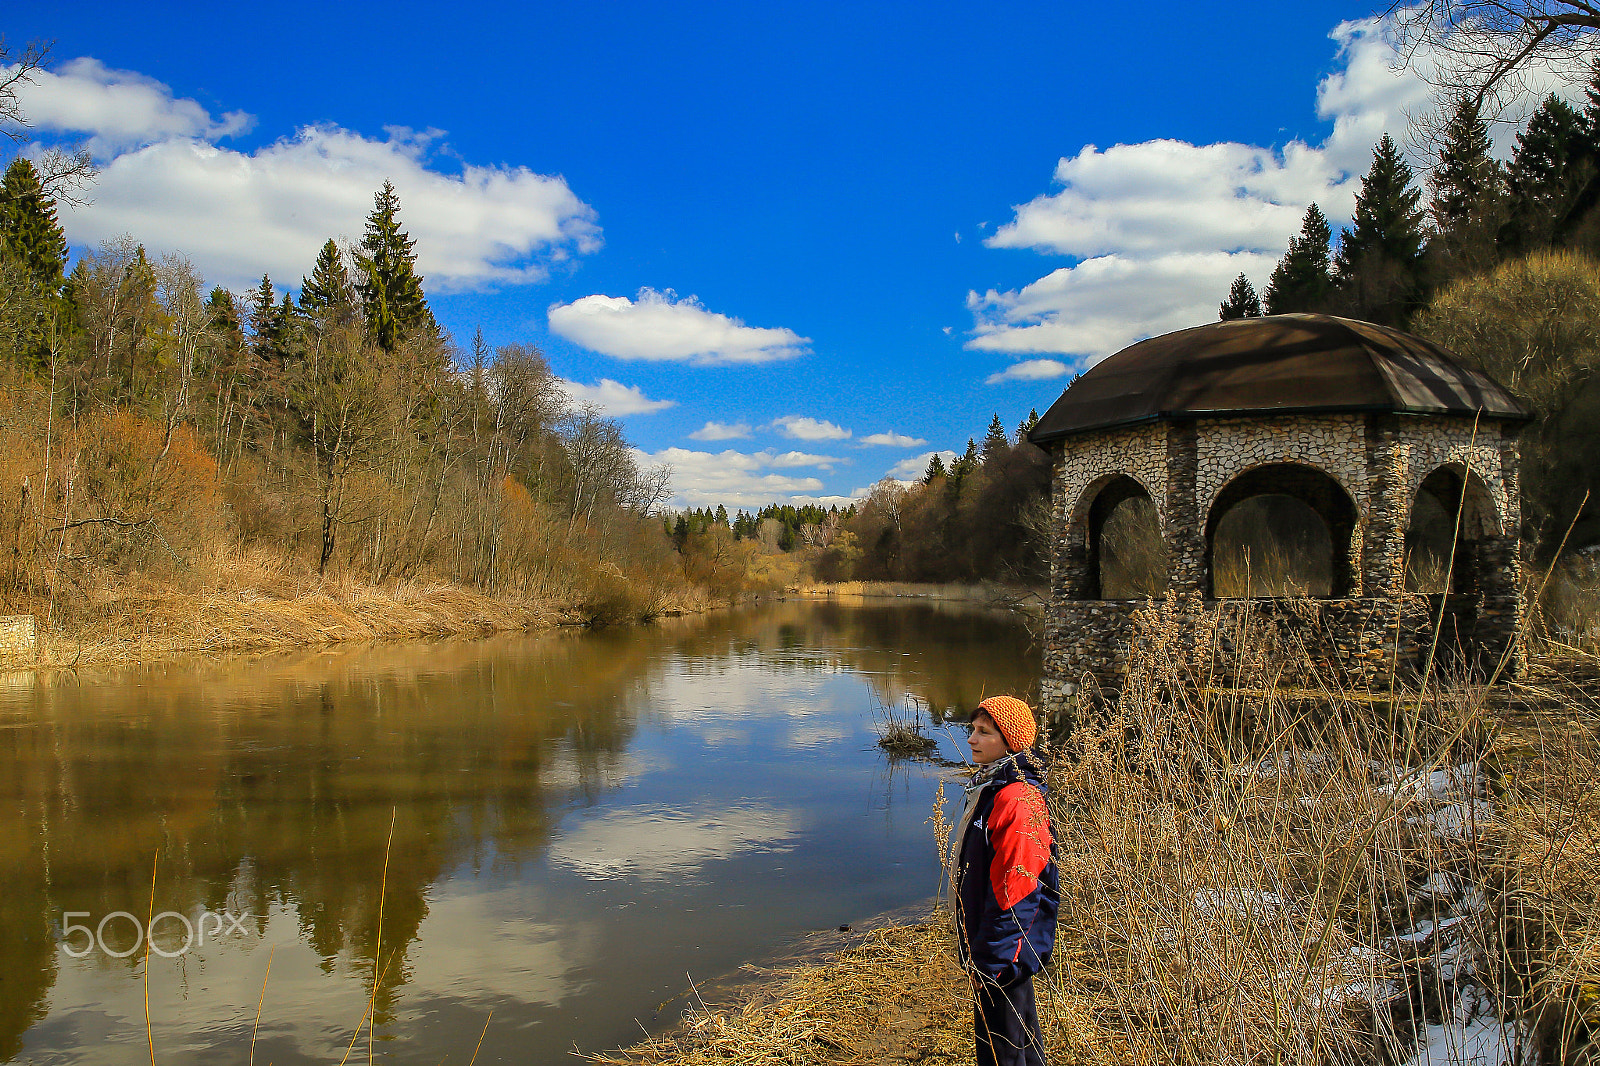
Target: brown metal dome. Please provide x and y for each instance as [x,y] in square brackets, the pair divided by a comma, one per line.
[1278,365]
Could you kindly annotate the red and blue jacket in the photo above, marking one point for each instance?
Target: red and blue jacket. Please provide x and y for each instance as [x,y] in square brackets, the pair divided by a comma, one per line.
[1006,888]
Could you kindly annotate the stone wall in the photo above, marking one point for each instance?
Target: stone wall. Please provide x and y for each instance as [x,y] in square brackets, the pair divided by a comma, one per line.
[19,636]
[1380,460]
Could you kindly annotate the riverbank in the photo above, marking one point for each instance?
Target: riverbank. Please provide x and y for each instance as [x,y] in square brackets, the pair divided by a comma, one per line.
[1424,894]
[1008,596]
[252,605]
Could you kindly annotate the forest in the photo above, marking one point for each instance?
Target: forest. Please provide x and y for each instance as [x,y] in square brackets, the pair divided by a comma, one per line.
[156,429]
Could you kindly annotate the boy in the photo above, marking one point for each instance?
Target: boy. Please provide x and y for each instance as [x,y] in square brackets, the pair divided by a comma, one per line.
[1004,888]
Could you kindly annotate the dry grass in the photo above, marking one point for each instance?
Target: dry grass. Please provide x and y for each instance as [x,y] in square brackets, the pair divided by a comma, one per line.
[1000,595]
[248,601]
[1253,875]
[891,998]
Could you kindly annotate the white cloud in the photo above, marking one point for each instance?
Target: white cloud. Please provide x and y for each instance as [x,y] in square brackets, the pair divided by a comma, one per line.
[117,108]
[1030,370]
[785,460]
[614,398]
[738,479]
[240,214]
[796,427]
[913,468]
[658,326]
[722,431]
[892,439]
[1168,196]
[1159,229]
[1106,303]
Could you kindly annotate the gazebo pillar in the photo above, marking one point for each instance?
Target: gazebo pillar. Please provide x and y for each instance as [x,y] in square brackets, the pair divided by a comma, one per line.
[1383,536]
[1186,542]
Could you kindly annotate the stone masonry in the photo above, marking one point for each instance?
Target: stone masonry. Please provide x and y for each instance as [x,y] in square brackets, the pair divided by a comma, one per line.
[1379,460]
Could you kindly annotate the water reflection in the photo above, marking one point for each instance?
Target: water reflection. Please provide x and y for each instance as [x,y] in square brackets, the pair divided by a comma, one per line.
[577,819]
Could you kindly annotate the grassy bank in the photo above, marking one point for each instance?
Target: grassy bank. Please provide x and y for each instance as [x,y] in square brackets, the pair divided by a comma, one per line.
[1244,881]
[983,592]
[254,601]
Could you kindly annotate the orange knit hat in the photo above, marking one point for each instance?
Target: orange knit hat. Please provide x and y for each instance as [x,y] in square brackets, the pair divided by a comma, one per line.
[1014,719]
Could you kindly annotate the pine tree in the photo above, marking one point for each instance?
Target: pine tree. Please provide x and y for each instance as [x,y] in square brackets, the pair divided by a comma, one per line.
[30,236]
[1469,191]
[327,295]
[1379,265]
[1242,301]
[270,323]
[389,286]
[1553,157]
[1027,424]
[995,441]
[935,469]
[1303,280]
[33,258]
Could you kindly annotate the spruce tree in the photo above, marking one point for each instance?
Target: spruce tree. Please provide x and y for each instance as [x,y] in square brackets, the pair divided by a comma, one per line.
[1303,280]
[995,441]
[33,258]
[935,469]
[1242,301]
[389,286]
[327,294]
[30,236]
[1379,265]
[1553,158]
[1469,191]
[268,324]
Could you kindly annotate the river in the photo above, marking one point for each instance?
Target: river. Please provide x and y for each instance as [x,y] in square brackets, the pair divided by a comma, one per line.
[575,823]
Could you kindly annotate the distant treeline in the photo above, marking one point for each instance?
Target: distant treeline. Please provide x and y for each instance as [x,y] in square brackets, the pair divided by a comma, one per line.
[152,425]
[985,517]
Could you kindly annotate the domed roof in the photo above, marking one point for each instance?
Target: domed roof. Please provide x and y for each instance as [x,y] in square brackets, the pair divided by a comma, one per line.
[1281,364]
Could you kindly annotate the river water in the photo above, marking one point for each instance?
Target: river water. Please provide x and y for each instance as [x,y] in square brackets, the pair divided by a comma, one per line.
[575,823]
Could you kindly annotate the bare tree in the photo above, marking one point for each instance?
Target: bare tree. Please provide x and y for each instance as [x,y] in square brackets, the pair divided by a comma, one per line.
[1491,52]
[64,172]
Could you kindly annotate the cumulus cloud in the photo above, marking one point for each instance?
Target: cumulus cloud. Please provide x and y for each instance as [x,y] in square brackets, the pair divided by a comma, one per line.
[661,327]
[892,439]
[796,427]
[1159,229]
[739,479]
[913,468]
[722,431]
[1106,303]
[238,214]
[118,108]
[614,398]
[1031,370]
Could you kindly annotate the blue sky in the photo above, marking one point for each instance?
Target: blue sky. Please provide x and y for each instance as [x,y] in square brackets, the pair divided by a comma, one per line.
[795,248]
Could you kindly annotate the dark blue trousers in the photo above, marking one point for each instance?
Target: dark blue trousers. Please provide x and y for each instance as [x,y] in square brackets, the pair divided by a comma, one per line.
[1007,1023]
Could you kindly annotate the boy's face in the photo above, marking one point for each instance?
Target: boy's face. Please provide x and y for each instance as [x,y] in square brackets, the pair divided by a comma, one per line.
[985,740]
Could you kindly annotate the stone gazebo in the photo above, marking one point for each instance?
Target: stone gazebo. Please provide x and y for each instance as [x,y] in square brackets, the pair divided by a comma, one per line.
[1383,436]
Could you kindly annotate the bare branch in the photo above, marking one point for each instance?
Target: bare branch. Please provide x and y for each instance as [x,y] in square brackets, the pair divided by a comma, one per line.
[13,75]
[65,172]
[1486,50]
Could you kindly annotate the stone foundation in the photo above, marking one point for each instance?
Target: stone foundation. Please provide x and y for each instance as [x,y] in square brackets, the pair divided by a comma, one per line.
[1359,643]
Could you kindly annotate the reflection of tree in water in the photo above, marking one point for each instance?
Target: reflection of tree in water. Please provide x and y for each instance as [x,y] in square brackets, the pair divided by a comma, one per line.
[272,783]
[948,656]
[279,789]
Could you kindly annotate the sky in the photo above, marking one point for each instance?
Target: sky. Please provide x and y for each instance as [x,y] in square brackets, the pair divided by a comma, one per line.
[793,248]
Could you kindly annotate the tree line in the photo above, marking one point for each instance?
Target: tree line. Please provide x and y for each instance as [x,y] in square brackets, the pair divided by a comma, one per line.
[153,423]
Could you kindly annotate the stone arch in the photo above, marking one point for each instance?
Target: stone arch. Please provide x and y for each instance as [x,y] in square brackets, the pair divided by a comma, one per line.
[1126,568]
[1311,488]
[1451,516]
